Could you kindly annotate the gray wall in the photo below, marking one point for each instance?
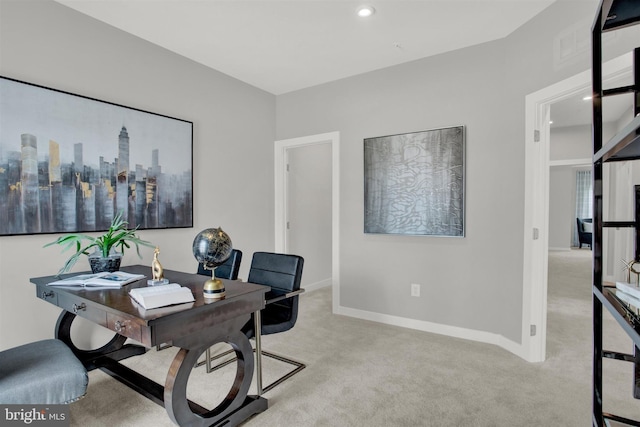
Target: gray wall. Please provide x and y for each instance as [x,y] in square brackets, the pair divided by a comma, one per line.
[475,282]
[562,206]
[48,44]
[570,143]
[309,202]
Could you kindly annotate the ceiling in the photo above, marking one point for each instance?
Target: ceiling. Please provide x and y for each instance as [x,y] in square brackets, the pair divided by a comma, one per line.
[285,45]
[281,46]
[576,110]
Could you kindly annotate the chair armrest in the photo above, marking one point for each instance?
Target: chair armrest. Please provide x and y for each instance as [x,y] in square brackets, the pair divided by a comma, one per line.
[285,296]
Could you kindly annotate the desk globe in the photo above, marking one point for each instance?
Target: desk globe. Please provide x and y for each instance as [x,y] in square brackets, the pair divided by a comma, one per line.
[212,247]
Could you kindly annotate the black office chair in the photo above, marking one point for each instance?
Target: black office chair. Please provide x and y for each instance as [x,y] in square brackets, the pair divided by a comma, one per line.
[42,372]
[283,273]
[584,231]
[228,270]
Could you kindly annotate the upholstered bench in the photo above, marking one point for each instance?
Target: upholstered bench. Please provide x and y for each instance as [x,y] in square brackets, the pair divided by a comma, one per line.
[42,372]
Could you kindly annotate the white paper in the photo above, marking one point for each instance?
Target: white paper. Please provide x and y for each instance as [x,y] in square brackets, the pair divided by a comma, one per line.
[628,288]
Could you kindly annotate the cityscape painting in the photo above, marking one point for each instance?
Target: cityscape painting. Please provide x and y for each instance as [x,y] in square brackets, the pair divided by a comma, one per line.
[414,183]
[70,163]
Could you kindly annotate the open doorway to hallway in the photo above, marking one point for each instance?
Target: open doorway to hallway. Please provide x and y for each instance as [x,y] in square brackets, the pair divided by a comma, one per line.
[297,226]
[537,190]
[308,211]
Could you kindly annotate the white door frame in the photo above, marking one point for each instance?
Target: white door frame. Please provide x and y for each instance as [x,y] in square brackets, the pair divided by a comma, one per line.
[536,202]
[280,194]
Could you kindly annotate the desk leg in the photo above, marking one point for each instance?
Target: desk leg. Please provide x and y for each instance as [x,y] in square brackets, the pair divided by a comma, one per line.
[237,406]
[114,349]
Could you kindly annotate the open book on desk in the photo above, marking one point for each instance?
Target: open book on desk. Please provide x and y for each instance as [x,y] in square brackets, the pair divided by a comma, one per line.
[117,279]
[161,296]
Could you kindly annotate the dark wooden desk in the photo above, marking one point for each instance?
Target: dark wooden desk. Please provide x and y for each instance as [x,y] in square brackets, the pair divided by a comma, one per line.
[193,327]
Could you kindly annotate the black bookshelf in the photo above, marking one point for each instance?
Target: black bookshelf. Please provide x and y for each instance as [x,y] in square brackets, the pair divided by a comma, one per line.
[624,146]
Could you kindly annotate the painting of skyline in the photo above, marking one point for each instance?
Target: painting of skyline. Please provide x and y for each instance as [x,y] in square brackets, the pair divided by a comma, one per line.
[69,163]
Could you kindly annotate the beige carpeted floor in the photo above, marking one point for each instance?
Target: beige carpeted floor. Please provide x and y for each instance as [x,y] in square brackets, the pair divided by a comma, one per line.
[362,373]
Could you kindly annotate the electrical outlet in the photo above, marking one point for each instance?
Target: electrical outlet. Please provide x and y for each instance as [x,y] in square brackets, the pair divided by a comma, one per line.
[415,290]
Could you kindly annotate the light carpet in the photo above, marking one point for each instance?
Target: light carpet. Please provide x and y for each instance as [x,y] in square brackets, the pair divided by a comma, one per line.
[361,373]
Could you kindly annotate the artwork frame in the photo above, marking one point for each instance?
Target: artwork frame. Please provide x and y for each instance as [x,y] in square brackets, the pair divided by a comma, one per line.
[69,163]
[414,183]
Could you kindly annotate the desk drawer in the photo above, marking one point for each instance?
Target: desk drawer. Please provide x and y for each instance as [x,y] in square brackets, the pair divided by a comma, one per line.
[82,309]
[124,326]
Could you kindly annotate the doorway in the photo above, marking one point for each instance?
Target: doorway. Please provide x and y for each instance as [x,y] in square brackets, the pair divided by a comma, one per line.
[536,197]
[297,225]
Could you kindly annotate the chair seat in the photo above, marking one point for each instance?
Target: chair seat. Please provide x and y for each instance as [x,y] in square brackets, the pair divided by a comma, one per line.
[42,372]
[275,318]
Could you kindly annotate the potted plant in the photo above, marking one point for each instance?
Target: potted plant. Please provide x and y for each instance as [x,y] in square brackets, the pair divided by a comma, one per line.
[104,256]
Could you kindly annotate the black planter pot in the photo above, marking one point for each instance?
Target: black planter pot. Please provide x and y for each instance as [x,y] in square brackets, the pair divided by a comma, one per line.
[110,264]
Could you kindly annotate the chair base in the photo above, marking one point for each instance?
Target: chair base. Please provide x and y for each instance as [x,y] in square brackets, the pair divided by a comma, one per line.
[299,366]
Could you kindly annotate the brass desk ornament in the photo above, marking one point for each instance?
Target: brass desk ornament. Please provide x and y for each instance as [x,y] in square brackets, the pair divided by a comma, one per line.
[213,288]
[632,266]
[157,272]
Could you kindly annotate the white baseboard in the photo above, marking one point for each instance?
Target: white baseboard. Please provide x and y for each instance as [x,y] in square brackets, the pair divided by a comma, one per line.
[436,328]
[317,285]
[559,249]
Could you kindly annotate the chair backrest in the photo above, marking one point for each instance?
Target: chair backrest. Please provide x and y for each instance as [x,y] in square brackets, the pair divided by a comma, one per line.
[228,270]
[581,225]
[283,273]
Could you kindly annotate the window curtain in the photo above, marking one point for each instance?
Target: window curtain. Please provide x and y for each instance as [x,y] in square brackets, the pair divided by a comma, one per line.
[584,200]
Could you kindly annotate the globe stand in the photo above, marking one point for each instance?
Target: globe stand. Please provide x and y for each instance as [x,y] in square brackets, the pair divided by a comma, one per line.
[213,288]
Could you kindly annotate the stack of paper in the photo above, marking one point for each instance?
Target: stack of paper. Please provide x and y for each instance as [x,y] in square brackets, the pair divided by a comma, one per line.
[628,288]
[161,296]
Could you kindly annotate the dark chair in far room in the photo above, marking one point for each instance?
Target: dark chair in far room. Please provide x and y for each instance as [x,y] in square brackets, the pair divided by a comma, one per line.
[585,227]
[283,273]
[42,372]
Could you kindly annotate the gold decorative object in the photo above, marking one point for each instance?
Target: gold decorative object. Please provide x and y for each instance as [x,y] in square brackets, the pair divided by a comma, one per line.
[632,266]
[213,288]
[157,272]
[156,267]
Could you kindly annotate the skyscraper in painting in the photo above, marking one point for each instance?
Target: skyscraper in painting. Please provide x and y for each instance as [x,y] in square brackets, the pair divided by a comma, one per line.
[122,183]
[29,182]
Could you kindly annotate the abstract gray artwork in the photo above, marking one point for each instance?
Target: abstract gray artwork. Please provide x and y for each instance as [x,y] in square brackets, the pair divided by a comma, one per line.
[414,183]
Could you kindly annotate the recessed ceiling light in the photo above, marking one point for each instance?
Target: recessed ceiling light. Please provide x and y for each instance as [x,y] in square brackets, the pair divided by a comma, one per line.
[586,98]
[365,11]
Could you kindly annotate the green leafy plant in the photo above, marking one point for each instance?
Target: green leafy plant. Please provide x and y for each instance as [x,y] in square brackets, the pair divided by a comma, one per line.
[118,236]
